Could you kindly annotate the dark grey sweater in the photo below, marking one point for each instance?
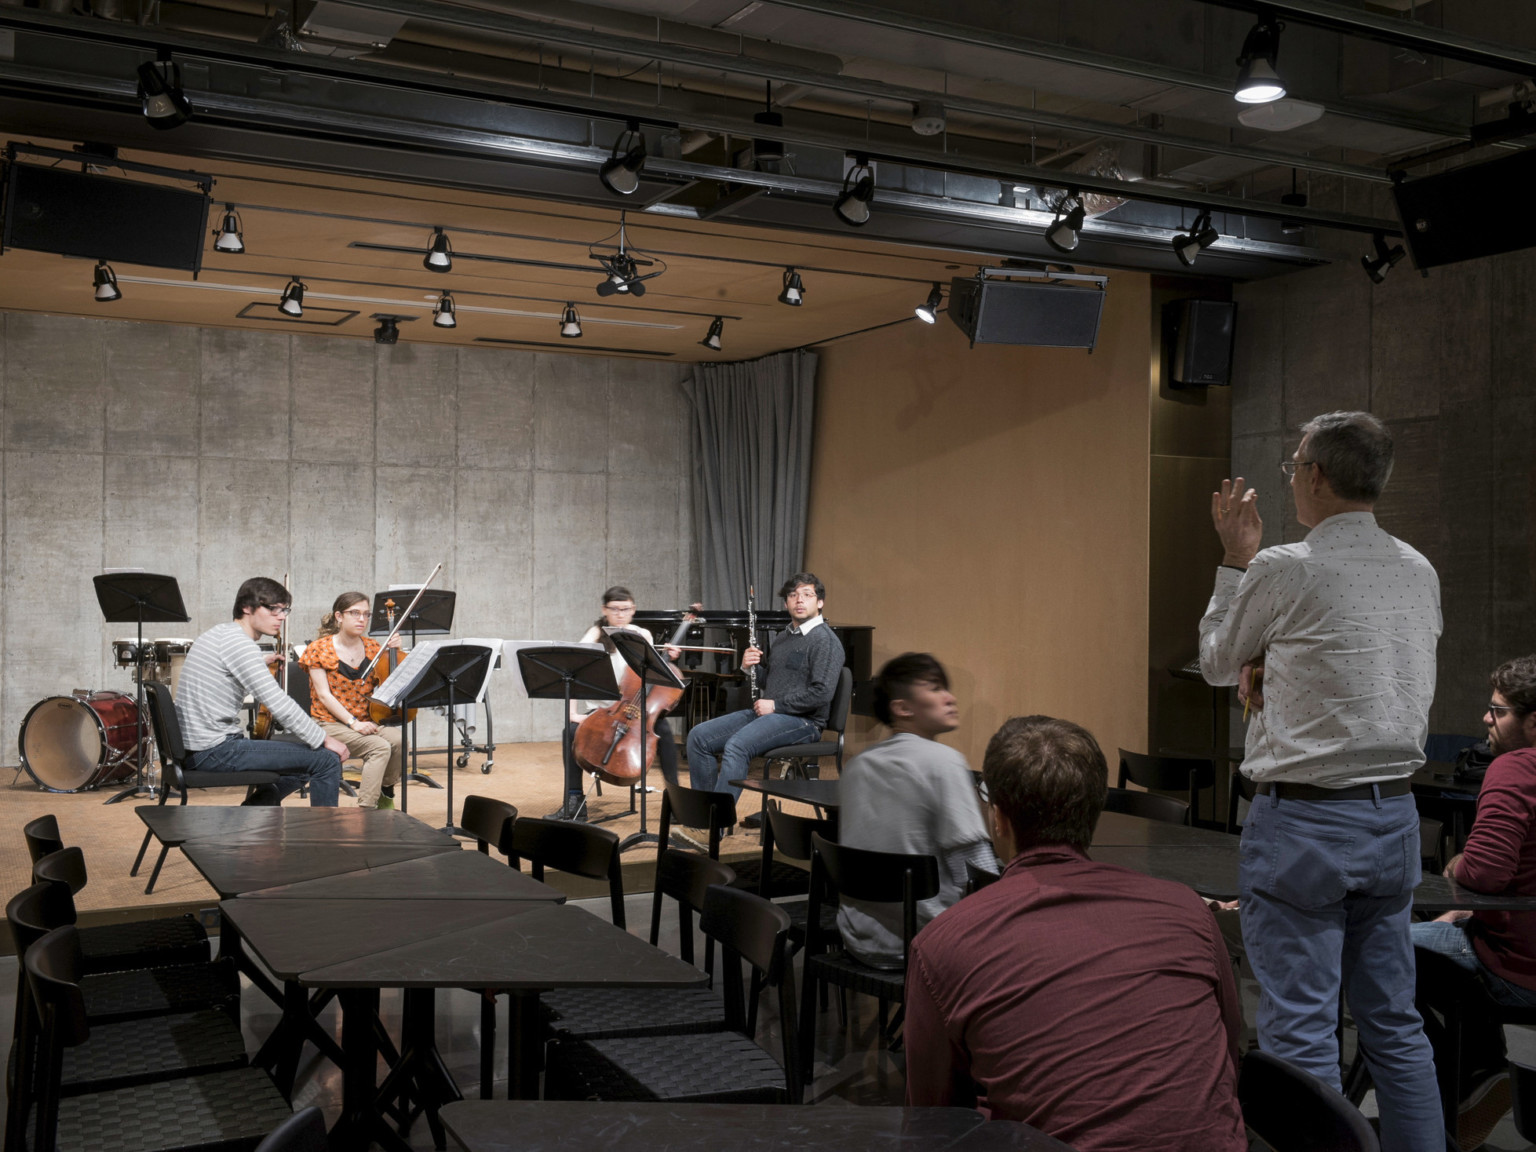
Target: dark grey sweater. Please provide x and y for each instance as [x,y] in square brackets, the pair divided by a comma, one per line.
[802,673]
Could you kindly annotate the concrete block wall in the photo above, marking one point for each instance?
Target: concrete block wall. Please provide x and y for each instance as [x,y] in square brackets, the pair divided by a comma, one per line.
[1447,362]
[215,454]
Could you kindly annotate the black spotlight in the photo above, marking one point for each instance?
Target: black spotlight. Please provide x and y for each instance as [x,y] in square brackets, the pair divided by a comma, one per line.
[106,283]
[1188,245]
[1385,258]
[712,339]
[439,257]
[852,204]
[230,237]
[620,173]
[164,103]
[1063,233]
[388,331]
[794,291]
[1257,80]
[292,302]
[570,323]
[928,310]
[443,315]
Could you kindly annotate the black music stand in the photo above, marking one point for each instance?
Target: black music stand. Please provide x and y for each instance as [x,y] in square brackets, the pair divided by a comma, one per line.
[433,616]
[455,673]
[136,597]
[653,669]
[549,672]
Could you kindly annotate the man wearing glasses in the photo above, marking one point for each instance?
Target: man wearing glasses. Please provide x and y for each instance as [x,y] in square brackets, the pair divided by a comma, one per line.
[1332,643]
[223,667]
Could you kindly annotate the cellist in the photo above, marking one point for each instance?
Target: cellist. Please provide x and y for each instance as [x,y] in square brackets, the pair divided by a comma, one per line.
[618,612]
[339,696]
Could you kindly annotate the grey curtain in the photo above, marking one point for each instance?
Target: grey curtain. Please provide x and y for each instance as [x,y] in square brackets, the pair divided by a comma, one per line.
[751,438]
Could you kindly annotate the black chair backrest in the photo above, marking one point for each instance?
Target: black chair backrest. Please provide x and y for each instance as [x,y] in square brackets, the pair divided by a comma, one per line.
[164,721]
[66,866]
[842,699]
[696,808]
[876,877]
[1293,1111]
[792,834]
[36,911]
[298,686]
[744,923]
[685,877]
[1166,773]
[489,822]
[42,837]
[54,968]
[304,1131]
[579,849]
[977,878]
[1147,805]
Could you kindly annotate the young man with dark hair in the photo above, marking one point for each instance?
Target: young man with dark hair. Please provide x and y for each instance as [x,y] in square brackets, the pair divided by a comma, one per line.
[223,667]
[910,794]
[796,696]
[1089,1001]
[1497,949]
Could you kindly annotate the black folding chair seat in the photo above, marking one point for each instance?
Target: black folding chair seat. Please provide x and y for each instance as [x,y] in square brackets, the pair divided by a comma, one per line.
[843,969]
[158,1048]
[784,879]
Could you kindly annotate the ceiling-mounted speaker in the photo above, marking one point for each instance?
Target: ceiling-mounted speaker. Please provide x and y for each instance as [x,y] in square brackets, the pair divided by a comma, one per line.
[1045,310]
[1202,333]
[1471,211]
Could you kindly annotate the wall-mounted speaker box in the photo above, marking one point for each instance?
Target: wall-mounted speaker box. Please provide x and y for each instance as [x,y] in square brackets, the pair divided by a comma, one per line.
[999,311]
[1201,332]
[107,218]
[1475,210]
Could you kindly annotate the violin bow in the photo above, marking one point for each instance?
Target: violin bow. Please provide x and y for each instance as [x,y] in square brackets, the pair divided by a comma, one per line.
[400,622]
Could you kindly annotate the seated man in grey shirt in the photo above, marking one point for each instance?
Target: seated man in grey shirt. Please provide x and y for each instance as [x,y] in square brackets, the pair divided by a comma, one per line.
[910,794]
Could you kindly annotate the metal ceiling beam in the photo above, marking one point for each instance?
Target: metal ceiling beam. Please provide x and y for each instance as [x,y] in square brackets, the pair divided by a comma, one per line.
[1100,61]
[1390,30]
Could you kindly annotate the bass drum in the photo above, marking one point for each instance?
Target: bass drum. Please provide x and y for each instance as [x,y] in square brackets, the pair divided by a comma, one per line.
[71,743]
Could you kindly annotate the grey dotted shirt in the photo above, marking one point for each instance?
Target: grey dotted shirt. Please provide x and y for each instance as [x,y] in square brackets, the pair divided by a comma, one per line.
[1346,622]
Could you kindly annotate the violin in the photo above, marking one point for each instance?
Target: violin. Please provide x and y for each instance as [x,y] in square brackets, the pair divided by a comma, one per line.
[261,724]
[607,741]
[383,713]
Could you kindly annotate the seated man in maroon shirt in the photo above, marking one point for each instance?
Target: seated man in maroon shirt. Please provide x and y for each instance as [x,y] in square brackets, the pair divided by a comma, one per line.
[1497,948]
[1086,1000]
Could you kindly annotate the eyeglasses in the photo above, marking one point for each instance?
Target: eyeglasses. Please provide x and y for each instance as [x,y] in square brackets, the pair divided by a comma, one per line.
[358,613]
[981,790]
[278,609]
[1289,467]
[1497,708]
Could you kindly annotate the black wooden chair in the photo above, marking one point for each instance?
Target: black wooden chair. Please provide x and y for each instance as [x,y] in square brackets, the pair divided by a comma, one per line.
[174,776]
[1192,774]
[977,878]
[1147,805]
[722,1067]
[1293,1111]
[715,812]
[42,836]
[490,823]
[304,1131]
[875,878]
[800,756]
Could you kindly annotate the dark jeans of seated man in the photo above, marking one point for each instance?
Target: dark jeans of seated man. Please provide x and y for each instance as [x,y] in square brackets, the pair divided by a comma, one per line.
[320,768]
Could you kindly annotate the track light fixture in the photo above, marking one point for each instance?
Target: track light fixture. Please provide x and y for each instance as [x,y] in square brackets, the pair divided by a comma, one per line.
[1257,80]
[928,310]
[442,313]
[388,331]
[794,291]
[229,237]
[164,103]
[570,323]
[1385,258]
[620,173]
[1062,235]
[439,257]
[1188,245]
[712,339]
[106,283]
[852,204]
[292,300]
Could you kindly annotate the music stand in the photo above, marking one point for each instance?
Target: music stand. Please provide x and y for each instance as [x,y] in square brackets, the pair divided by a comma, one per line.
[653,669]
[433,616]
[549,672]
[137,597]
[455,672]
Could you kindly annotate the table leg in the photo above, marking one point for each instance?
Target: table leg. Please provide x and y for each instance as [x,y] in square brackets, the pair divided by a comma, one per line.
[421,1065]
[524,1045]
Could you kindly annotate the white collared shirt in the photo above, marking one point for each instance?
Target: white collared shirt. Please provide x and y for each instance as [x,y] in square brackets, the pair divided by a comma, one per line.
[1346,623]
[808,627]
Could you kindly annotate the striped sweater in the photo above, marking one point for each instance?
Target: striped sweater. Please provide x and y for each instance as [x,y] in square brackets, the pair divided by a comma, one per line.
[222,668]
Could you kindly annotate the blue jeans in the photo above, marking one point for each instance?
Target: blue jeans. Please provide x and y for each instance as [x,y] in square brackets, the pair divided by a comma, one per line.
[320,768]
[722,749]
[1327,889]
[1482,1037]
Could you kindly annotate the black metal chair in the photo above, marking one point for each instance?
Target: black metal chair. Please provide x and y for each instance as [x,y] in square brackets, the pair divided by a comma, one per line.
[837,724]
[304,1131]
[716,812]
[875,878]
[1293,1111]
[490,823]
[1170,774]
[723,1067]
[1147,805]
[174,776]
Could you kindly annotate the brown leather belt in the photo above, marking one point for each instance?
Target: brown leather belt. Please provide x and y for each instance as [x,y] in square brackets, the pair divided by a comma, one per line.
[1288,791]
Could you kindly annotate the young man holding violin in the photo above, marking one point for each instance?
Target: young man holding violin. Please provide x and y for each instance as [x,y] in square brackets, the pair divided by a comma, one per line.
[222,668]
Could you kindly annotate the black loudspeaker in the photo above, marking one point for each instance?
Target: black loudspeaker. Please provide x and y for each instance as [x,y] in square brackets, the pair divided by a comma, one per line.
[1202,332]
[1475,210]
[107,218]
[997,311]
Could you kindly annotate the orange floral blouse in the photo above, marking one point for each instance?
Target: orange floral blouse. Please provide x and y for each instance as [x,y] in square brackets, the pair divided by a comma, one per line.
[351,692]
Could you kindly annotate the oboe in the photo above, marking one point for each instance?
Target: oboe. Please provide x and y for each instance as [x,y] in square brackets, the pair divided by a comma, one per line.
[752,638]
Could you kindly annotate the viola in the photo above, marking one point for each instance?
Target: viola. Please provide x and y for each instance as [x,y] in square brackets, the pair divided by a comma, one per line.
[383,713]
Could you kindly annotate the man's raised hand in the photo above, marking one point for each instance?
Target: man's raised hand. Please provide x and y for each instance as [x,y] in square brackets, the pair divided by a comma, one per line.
[1235,512]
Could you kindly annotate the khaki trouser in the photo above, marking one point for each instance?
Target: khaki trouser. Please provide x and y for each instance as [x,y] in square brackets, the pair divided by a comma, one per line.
[380,754]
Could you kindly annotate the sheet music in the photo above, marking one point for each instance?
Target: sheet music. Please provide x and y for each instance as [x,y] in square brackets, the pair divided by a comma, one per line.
[512,647]
[406,674]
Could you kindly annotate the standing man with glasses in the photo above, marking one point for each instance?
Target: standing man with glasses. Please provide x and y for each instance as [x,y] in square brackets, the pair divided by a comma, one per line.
[1332,641]
[224,666]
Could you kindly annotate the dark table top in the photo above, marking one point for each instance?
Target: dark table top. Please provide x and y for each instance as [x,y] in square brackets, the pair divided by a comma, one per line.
[820,792]
[174,824]
[235,868]
[465,875]
[1210,871]
[1438,777]
[542,1126]
[1116,828]
[540,946]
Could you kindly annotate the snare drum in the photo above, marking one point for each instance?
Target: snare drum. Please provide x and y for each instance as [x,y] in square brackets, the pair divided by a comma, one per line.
[71,743]
[128,651]
[170,655]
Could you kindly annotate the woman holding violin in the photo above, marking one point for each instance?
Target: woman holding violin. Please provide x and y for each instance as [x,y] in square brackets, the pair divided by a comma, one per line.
[340,695]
